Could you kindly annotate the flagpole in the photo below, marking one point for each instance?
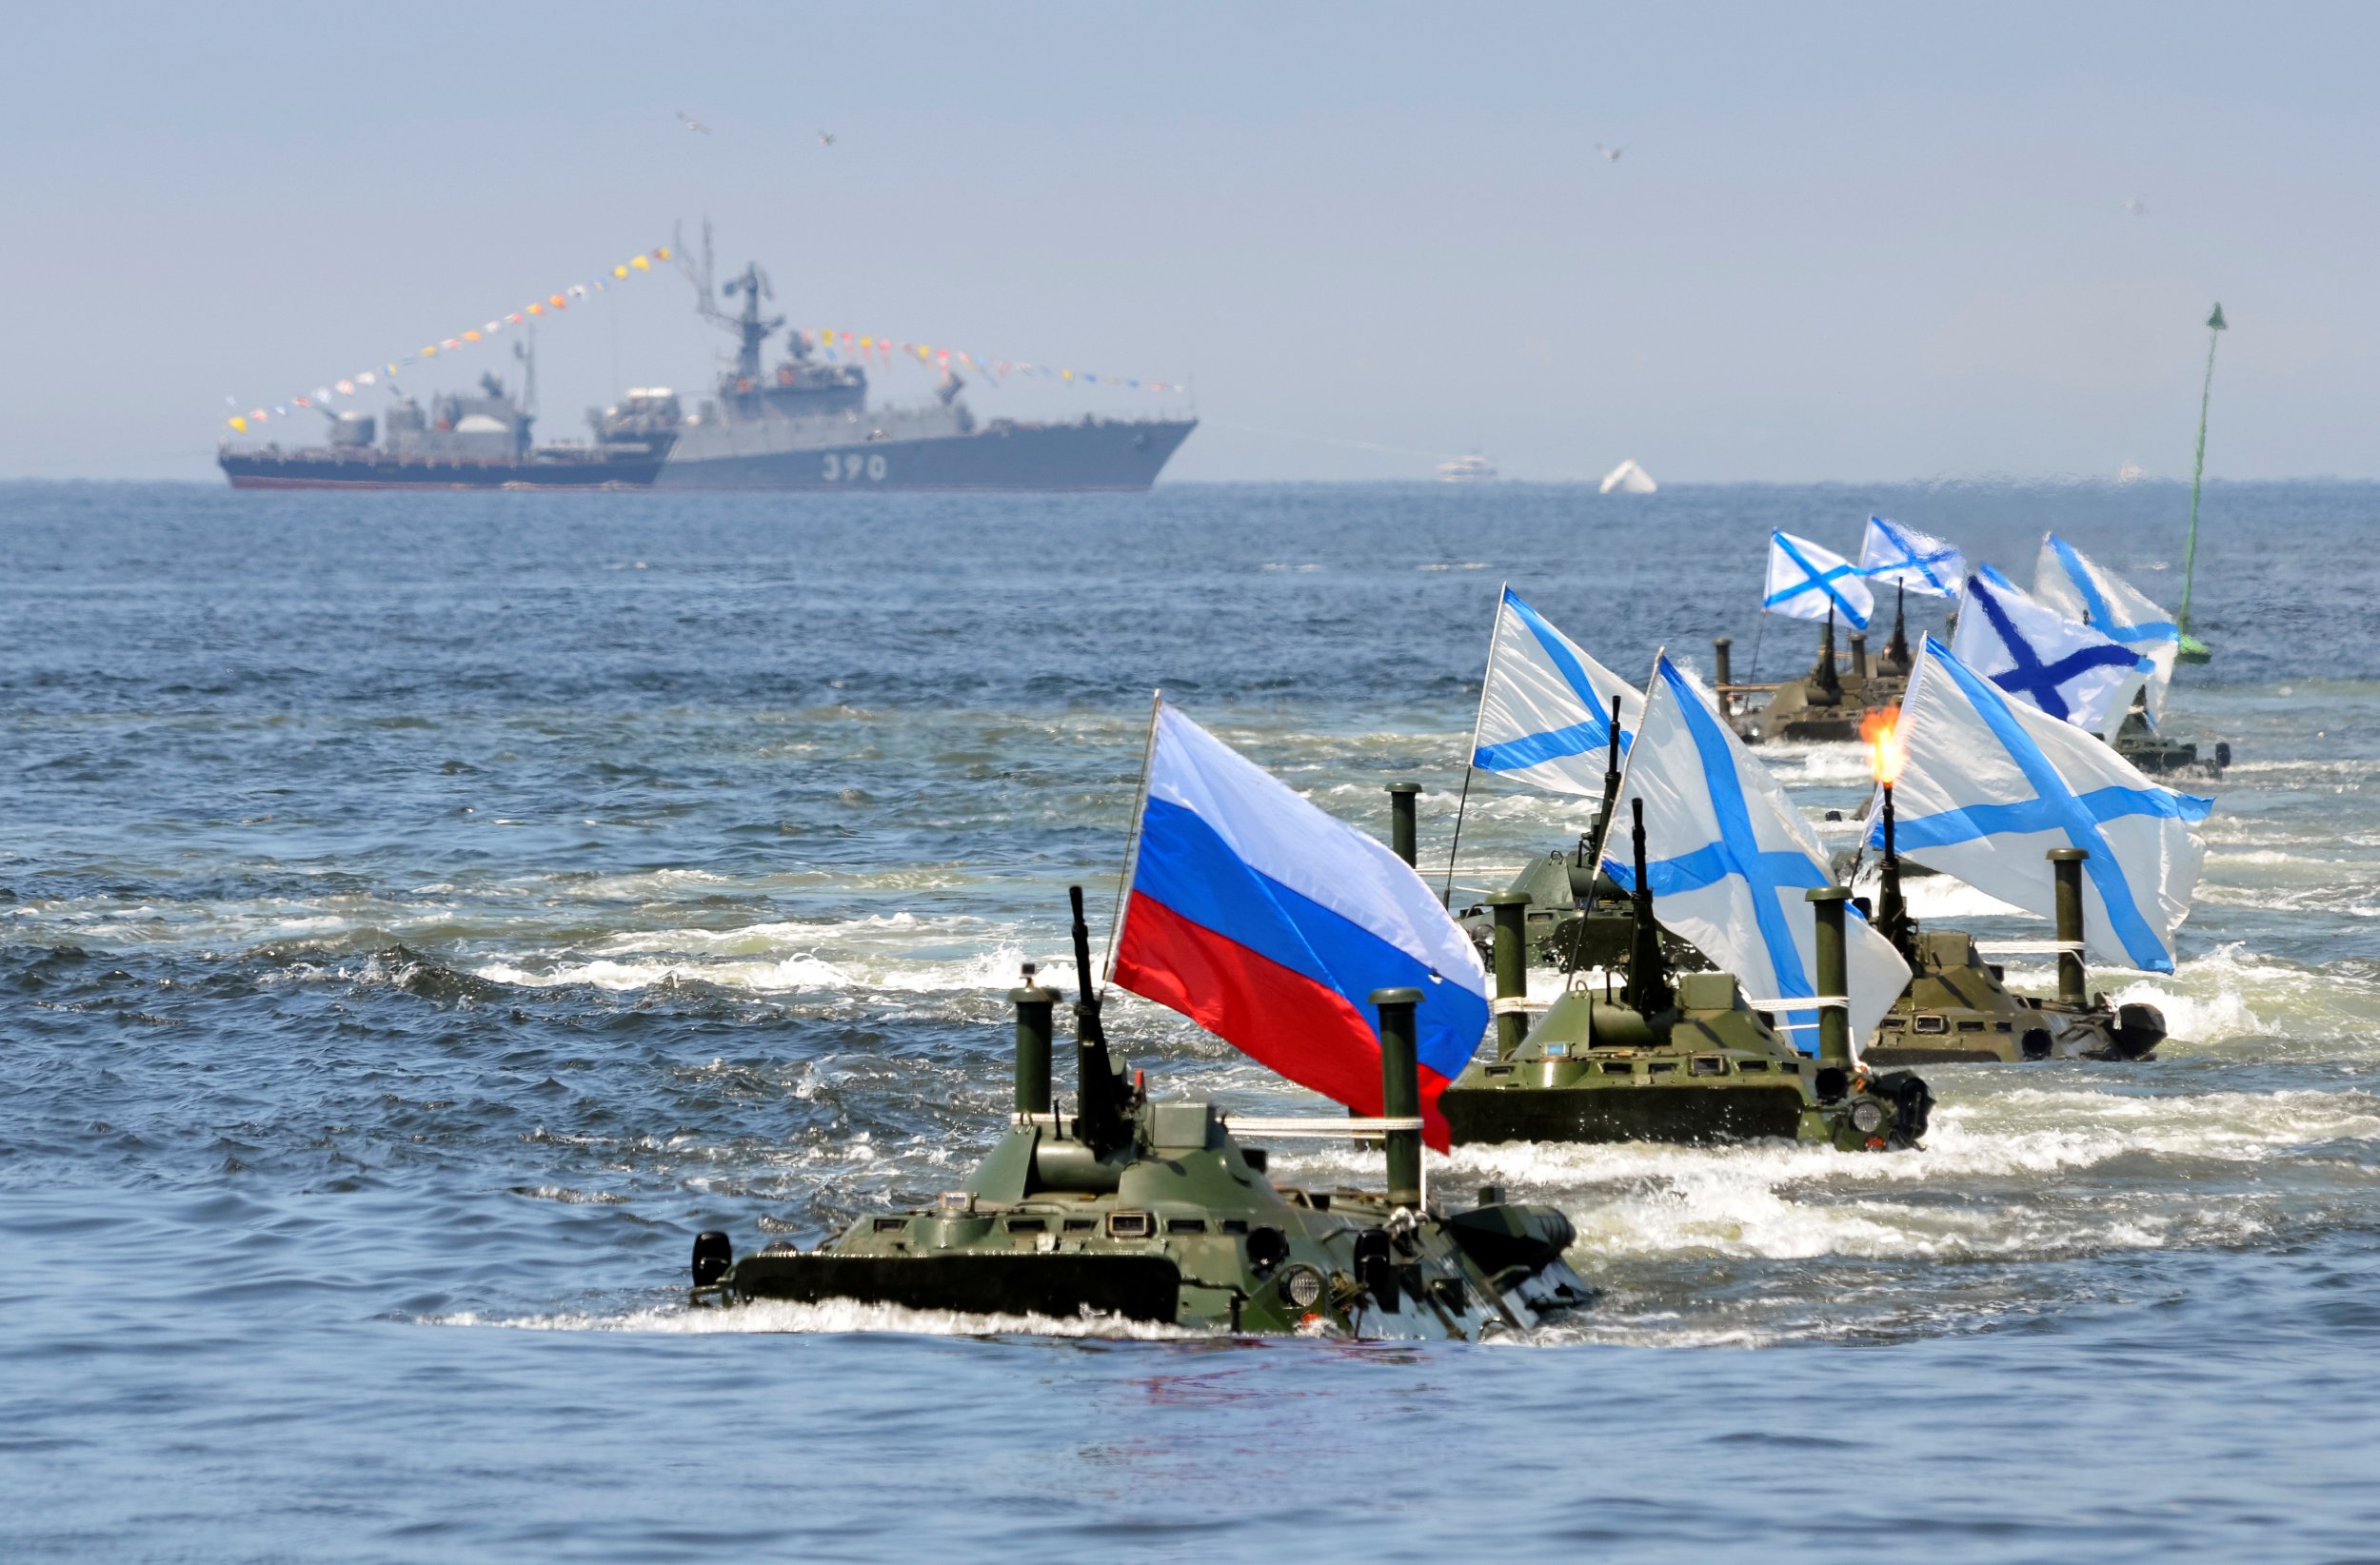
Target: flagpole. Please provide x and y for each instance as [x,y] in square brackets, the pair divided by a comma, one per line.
[2194,650]
[1628,757]
[1470,759]
[1132,839]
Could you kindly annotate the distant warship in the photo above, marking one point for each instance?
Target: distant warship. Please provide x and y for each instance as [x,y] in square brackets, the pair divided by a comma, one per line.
[806,424]
[463,442]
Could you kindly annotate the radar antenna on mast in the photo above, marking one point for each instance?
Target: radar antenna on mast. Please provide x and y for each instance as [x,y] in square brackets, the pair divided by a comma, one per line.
[750,329]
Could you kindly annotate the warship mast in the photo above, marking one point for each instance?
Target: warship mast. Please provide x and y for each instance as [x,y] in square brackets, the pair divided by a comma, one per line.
[746,325]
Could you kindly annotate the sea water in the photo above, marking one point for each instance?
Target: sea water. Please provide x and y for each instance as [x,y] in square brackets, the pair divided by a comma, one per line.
[421,914]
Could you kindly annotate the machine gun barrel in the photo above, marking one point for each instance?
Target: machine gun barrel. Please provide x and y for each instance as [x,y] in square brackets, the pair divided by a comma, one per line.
[1611,802]
[1105,1110]
[1648,973]
[1892,908]
[1086,1011]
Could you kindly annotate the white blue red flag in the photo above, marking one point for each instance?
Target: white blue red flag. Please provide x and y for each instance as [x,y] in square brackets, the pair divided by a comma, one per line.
[1810,582]
[2081,588]
[1545,709]
[2039,655]
[1907,558]
[1990,784]
[1728,858]
[1269,923]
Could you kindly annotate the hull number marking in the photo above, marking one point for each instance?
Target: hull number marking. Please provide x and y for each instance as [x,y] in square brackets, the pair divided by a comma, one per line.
[843,466]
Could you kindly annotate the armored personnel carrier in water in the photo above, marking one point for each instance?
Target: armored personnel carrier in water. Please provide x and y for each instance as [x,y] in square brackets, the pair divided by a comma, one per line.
[1160,1212]
[1957,1010]
[805,424]
[2139,740]
[1827,704]
[1670,1057]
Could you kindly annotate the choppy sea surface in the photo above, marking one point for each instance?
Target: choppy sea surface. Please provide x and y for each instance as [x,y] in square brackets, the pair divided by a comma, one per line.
[419,914]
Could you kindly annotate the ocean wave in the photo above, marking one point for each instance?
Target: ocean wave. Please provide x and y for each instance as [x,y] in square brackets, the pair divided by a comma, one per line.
[987,971]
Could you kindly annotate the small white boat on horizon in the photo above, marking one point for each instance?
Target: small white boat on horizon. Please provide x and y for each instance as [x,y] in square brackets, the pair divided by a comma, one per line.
[1466,469]
[1628,479]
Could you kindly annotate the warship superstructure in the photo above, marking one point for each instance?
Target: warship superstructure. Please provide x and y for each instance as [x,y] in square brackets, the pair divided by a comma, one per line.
[805,424]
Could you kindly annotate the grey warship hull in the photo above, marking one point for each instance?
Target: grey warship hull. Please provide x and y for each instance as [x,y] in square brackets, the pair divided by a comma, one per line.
[1093,454]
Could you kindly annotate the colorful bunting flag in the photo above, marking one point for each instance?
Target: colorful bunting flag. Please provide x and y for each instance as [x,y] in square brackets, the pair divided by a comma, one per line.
[831,339]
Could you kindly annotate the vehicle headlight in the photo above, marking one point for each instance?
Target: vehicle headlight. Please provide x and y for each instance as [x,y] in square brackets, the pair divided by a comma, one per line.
[1866,1115]
[1301,1286]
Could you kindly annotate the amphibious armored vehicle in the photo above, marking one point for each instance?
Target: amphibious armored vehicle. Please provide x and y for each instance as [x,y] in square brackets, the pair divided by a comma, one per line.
[1823,706]
[1159,1211]
[1673,1058]
[2138,741]
[1957,1010]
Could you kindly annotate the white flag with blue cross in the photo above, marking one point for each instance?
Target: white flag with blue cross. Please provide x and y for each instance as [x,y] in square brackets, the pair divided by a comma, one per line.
[1727,857]
[1809,583]
[2039,655]
[1907,558]
[1545,709]
[1990,784]
[2081,588]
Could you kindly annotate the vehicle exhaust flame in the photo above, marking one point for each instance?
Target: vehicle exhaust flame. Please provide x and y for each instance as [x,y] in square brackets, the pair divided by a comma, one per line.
[1880,732]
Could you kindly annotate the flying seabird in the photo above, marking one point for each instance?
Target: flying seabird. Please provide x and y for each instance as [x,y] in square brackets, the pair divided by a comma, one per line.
[692,124]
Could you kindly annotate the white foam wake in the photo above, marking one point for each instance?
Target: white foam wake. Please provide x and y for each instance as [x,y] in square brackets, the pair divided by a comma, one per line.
[841,1316]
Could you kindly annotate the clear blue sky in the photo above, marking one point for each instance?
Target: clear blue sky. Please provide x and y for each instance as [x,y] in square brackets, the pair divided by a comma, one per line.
[1843,242]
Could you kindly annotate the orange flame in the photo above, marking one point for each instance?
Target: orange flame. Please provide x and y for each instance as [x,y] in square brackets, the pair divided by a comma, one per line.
[1880,731]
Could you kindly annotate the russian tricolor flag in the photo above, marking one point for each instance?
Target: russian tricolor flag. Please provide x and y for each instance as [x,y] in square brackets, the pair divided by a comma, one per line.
[1269,923]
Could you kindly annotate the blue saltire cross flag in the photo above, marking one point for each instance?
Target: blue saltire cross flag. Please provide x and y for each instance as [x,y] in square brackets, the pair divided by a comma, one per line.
[1908,558]
[2081,588]
[1728,858]
[1989,785]
[1545,709]
[1809,583]
[2036,654]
